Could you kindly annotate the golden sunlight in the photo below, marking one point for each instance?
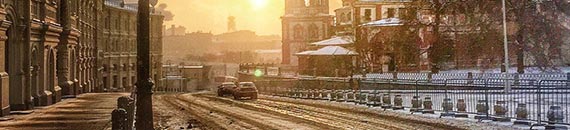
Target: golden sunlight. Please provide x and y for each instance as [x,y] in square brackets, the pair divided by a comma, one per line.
[258,4]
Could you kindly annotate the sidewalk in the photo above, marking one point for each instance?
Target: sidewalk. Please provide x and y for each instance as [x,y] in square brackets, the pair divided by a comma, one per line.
[91,111]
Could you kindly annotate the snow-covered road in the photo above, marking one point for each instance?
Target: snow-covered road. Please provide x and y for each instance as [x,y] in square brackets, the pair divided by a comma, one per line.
[207,111]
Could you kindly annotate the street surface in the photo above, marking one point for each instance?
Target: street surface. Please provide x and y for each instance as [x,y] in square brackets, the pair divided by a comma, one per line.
[90,111]
[207,111]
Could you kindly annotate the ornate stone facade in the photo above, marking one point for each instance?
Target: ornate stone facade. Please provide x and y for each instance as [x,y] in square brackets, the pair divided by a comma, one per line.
[305,21]
[61,48]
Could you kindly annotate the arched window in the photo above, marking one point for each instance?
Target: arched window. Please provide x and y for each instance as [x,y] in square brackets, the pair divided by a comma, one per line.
[298,32]
[313,31]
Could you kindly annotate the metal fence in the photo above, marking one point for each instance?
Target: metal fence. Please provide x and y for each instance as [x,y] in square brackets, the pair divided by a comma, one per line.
[522,100]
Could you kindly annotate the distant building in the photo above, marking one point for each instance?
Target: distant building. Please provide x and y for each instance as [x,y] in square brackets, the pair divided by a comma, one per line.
[185,78]
[177,47]
[268,56]
[175,31]
[304,22]
[244,40]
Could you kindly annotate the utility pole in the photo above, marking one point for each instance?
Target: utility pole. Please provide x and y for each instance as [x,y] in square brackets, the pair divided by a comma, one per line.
[144,82]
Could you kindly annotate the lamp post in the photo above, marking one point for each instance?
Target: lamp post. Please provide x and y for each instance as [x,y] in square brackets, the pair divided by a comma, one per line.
[506,48]
[144,82]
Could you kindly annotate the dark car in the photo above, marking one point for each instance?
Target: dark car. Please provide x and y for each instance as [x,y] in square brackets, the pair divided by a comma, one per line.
[226,88]
[245,89]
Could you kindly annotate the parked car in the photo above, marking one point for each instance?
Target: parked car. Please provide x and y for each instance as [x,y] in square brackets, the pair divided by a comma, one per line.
[226,88]
[245,89]
[219,80]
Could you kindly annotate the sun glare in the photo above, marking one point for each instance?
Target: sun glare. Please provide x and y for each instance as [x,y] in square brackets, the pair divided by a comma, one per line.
[258,4]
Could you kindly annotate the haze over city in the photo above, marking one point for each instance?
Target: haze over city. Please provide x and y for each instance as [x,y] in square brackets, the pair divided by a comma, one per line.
[261,16]
[284,64]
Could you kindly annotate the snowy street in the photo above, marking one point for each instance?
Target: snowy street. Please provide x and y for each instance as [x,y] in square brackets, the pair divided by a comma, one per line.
[207,111]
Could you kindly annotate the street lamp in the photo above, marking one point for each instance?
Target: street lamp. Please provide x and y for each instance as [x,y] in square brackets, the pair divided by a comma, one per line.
[506,48]
[144,82]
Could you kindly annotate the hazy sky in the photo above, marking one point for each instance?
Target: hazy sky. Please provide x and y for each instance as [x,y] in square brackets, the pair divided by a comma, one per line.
[261,16]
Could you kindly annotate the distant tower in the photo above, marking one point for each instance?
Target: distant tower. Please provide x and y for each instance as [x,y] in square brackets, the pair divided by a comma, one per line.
[231,24]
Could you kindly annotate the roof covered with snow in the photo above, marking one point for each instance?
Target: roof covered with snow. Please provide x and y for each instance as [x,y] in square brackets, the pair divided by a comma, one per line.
[304,53]
[344,40]
[191,67]
[385,22]
[120,5]
[329,51]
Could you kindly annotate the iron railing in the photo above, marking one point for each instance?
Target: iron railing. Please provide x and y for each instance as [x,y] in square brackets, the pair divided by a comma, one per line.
[524,100]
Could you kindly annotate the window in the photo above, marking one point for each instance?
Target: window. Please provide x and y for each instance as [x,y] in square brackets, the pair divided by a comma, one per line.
[313,31]
[368,14]
[391,12]
[298,32]
[342,18]
[402,12]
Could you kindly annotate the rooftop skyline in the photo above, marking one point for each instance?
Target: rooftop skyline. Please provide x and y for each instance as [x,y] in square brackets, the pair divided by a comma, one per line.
[261,16]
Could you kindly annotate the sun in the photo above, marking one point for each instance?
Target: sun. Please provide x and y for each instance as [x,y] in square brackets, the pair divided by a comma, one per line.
[258,4]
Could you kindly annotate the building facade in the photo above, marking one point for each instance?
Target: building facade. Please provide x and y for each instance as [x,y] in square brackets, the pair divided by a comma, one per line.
[304,21]
[357,12]
[53,48]
[117,50]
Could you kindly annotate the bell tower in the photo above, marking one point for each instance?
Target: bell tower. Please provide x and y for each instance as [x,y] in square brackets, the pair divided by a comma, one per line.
[307,7]
[304,22]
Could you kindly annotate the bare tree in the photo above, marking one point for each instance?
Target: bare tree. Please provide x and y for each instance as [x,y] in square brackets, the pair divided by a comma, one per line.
[539,32]
[472,27]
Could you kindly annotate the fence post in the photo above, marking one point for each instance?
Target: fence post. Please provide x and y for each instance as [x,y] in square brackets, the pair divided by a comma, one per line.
[461,109]
[416,101]
[118,119]
[447,102]
[517,79]
[470,78]
[265,69]
[126,104]
[486,109]
[539,103]
[522,113]
[567,79]
[429,77]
